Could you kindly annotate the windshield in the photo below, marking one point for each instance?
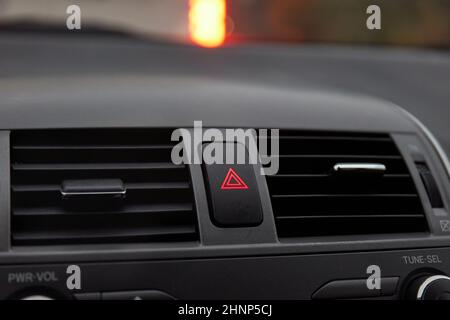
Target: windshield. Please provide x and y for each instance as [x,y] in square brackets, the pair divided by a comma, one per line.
[420,23]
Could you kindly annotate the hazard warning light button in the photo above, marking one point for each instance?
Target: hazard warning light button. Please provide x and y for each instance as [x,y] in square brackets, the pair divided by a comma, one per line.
[233,194]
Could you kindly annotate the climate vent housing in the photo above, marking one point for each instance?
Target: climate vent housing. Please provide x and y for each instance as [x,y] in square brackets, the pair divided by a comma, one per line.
[158,204]
[310,199]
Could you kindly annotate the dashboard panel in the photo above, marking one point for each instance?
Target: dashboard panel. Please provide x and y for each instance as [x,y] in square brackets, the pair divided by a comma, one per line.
[178,234]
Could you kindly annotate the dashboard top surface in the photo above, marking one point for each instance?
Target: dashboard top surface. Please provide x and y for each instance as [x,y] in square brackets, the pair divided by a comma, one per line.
[128,100]
[50,81]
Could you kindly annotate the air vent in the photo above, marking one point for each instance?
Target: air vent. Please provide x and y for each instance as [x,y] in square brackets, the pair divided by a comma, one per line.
[98,186]
[343,184]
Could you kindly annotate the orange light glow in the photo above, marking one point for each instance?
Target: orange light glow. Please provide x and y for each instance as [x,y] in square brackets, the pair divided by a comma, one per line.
[207,25]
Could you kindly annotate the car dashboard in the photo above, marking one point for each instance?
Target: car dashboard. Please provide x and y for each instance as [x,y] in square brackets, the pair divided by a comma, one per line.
[88,183]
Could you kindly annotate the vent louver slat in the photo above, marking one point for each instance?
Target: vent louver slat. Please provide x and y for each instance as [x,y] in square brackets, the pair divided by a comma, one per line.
[309,199]
[158,205]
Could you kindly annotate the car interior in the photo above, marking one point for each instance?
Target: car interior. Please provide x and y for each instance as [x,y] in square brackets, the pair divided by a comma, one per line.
[98,97]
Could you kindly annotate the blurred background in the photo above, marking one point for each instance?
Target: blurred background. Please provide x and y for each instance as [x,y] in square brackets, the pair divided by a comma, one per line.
[419,23]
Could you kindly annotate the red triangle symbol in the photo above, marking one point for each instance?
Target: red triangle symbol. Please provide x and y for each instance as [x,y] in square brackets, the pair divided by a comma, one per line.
[232,181]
